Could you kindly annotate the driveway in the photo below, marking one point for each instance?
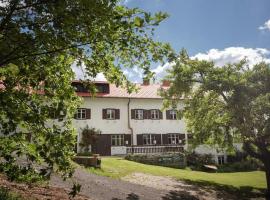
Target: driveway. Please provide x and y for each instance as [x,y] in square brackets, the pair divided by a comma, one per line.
[137,187]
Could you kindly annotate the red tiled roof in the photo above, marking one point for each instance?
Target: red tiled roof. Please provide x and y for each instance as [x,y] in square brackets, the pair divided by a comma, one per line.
[145,91]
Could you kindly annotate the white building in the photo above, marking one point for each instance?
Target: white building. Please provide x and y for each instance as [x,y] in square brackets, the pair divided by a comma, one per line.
[132,123]
[129,122]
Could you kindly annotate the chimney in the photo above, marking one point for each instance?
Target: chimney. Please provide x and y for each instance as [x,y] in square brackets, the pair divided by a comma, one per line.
[166,83]
[146,81]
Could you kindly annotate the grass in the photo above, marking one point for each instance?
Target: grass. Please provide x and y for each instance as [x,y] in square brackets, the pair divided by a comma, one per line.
[116,167]
[7,195]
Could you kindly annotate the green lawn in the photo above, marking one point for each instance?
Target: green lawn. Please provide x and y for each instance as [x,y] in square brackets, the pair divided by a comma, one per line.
[116,167]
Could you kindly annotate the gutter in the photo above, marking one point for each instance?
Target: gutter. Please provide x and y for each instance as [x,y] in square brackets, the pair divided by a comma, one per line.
[129,126]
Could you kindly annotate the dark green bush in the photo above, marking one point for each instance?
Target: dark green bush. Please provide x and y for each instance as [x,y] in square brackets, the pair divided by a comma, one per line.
[197,161]
[85,154]
[249,164]
[168,160]
[5,194]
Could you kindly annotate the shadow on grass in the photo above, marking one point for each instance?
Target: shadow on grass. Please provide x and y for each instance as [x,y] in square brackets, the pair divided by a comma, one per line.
[131,196]
[227,191]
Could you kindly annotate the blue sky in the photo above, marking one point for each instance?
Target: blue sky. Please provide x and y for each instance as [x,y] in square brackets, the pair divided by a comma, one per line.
[222,31]
[200,25]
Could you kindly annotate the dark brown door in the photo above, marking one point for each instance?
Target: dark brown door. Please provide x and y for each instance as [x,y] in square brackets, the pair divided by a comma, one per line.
[103,145]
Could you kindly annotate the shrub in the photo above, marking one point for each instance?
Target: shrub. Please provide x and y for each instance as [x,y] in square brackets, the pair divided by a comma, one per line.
[248,164]
[168,160]
[5,194]
[197,161]
[85,154]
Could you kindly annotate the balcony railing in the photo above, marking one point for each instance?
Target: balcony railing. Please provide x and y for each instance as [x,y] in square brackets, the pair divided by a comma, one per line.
[154,149]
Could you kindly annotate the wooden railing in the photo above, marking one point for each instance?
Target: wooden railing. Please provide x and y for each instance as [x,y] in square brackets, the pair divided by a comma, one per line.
[154,149]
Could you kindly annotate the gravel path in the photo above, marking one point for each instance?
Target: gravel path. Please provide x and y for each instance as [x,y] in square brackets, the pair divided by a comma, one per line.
[138,186]
[104,188]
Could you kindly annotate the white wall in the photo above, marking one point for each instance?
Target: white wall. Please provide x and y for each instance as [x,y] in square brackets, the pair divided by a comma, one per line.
[121,126]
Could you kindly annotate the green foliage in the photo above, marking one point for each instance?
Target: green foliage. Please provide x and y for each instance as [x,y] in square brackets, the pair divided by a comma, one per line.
[224,104]
[243,166]
[116,167]
[89,137]
[5,194]
[196,161]
[39,41]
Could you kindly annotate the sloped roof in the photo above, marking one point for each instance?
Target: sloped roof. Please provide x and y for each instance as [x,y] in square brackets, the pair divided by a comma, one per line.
[145,92]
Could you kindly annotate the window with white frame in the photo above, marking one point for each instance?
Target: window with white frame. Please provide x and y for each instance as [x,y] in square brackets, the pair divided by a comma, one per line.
[81,113]
[149,139]
[117,140]
[173,138]
[154,114]
[138,114]
[221,160]
[110,113]
[172,114]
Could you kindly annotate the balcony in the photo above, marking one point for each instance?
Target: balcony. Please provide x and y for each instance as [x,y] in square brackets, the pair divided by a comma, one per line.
[154,149]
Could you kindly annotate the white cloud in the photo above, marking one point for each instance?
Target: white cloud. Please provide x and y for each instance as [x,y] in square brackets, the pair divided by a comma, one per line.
[161,70]
[234,54]
[81,75]
[265,26]
[222,57]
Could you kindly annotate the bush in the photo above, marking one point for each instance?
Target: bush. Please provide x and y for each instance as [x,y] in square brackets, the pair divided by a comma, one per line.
[85,154]
[249,164]
[168,160]
[197,161]
[7,195]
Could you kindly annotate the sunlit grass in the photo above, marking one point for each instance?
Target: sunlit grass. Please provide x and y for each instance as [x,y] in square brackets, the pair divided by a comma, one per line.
[116,167]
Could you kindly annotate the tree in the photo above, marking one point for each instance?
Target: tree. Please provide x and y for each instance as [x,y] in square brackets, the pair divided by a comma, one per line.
[224,104]
[39,41]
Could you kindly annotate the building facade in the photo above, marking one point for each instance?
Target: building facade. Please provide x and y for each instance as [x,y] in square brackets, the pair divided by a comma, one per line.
[130,123]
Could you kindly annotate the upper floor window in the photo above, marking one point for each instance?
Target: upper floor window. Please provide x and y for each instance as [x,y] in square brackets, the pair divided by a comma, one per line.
[111,113]
[171,114]
[138,114]
[154,114]
[83,113]
[117,140]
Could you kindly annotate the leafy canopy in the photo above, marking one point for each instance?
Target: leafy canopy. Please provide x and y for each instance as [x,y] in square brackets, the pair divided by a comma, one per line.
[224,104]
[39,41]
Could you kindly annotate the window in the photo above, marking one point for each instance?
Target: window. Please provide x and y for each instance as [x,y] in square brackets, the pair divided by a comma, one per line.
[81,113]
[117,140]
[221,160]
[138,114]
[149,139]
[110,114]
[154,114]
[173,138]
[172,114]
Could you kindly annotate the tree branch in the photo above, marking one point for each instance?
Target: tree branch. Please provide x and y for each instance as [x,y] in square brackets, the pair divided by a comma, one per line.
[7,18]
[41,53]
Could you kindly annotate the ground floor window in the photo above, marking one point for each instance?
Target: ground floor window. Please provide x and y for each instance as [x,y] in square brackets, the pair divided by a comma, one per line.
[173,138]
[149,139]
[221,160]
[117,140]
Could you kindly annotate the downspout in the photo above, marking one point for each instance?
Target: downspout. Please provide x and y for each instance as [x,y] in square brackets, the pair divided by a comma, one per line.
[129,126]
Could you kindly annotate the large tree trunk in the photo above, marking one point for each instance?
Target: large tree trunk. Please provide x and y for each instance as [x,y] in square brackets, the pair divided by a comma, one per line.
[267,173]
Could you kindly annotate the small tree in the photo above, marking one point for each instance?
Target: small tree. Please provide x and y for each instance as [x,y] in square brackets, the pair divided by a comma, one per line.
[224,104]
[89,137]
